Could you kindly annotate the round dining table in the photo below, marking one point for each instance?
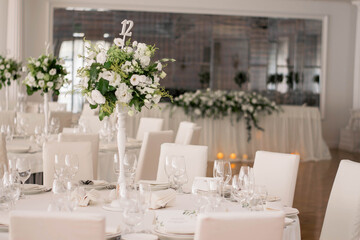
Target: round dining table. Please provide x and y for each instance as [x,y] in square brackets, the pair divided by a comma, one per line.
[114,219]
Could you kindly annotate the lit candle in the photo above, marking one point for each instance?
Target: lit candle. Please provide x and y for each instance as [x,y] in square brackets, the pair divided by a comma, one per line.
[233,165]
[220,155]
[245,157]
[232,156]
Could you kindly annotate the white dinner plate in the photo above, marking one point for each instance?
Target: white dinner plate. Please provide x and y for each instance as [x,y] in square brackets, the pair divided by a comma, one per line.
[34,189]
[289,211]
[112,235]
[96,187]
[170,236]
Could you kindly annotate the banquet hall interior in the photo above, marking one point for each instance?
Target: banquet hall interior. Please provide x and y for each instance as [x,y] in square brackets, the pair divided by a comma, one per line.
[233,119]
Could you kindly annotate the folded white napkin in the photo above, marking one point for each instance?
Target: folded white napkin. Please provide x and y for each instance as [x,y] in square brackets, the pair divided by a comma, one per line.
[110,230]
[30,187]
[160,199]
[84,200]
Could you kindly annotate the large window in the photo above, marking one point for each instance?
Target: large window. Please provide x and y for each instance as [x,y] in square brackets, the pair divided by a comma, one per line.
[275,56]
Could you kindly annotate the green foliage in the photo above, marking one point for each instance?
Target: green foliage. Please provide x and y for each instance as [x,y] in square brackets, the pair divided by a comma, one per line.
[241,78]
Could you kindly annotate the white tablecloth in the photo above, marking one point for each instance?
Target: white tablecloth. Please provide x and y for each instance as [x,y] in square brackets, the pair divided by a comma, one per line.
[295,130]
[40,202]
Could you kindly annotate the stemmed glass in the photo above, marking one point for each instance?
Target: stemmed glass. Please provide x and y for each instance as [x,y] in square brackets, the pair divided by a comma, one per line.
[235,187]
[72,164]
[222,171]
[179,170]
[134,212]
[247,183]
[130,164]
[60,167]
[169,171]
[23,168]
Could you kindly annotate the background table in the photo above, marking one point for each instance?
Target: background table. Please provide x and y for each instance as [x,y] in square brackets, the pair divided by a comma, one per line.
[297,129]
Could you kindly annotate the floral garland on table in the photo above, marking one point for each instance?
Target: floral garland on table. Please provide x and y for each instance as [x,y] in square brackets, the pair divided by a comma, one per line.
[220,103]
[122,74]
[45,73]
[9,71]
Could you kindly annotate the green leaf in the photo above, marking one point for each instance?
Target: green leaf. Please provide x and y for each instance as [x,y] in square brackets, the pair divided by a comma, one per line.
[29,90]
[93,72]
[93,106]
[103,86]
[107,65]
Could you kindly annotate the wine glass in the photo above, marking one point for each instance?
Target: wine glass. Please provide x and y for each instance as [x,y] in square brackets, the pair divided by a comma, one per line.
[130,164]
[72,164]
[23,168]
[246,182]
[133,213]
[235,187]
[222,171]
[169,171]
[60,167]
[145,195]
[179,170]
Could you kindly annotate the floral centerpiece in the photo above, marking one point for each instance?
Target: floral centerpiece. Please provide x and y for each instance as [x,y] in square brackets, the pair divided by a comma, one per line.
[122,74]
[45,74]
[220,103]
[9,71]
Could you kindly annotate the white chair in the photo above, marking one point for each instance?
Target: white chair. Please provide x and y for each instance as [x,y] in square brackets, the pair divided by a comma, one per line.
[83,150]
[240,225]
[149,125]
[195,160]
[185,132]
[195,138]
[57,107]
[149,154]
[3,154]
[92,123]
[84,137]
[39,225]
[65,118]
[31,120]
[342,217]
[7,118]
[278,172]
[32,107]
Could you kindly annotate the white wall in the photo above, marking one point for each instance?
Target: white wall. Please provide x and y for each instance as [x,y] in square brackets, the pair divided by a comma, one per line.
[340,48]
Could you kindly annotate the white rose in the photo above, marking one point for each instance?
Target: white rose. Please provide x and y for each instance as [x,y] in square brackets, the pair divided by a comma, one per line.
[7,75]
[162,75]
[8,66]
[107,75]
[135,79]
[41,83]
[2,67]
[142,78]
[159,66]
[116,80]
[119,42]
[50,84]
[101,57]
[52,72]
[39,75]
[37,64]
[89,99]
[59,84]
[122,93]
[97,97]
[145,61]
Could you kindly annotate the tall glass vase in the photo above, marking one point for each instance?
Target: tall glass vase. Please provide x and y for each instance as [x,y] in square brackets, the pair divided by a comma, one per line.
[46,114]
[6,97]
[121,141]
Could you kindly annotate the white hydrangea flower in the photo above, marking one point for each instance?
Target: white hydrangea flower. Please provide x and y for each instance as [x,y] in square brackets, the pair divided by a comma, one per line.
[40,75]
[101,57]
[52,72]
[97,96]
[144,61]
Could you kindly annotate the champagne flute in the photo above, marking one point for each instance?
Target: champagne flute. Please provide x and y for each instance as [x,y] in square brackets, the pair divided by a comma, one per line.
[179,171]
[24,169]
[72,164]
[222,171]
[169,171]
[130,164]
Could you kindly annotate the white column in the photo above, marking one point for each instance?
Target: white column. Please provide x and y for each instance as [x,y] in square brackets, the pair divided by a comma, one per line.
[356,97]
[14,41]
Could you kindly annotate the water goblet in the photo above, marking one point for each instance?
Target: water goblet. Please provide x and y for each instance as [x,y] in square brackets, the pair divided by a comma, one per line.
[23,168]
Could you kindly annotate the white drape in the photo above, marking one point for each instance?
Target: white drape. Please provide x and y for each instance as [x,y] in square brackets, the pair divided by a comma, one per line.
[14,45]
